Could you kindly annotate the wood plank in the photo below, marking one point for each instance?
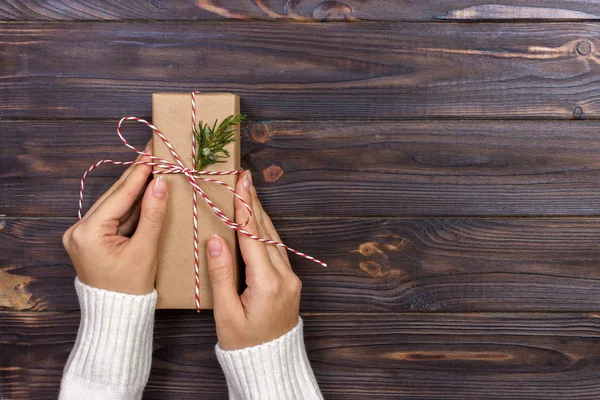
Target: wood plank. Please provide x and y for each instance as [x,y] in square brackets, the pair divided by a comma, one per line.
[304,71]
[375,264]
[394,356]
[416,168]
[300,10]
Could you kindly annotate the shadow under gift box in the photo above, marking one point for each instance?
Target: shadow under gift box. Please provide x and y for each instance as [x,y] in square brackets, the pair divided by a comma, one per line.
[175,279]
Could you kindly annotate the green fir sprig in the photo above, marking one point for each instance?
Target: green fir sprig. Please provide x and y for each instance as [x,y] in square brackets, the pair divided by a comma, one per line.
[211,142]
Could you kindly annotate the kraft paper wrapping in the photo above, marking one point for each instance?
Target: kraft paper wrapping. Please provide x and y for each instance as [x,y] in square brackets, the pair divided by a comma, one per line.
[175,279]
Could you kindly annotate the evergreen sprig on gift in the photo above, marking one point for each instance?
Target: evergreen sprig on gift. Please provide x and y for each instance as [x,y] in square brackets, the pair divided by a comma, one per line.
[211,141]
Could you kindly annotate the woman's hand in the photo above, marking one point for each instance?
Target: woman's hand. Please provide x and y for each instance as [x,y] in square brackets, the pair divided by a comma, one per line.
[270,305]
[114,246]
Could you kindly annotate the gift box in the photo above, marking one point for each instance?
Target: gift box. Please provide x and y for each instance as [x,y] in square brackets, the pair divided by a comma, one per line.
[175,279]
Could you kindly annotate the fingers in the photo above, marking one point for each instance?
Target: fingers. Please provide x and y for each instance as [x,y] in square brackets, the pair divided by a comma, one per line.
[127,227]
[152,214]
[226,301]
[127,216]
[268,230]
[118,203]
[122,178]
[254,252]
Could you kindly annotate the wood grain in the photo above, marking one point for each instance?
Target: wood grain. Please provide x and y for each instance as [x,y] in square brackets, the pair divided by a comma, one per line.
[375,264]
[416,168]
[414,214]
[300,10]
[304,71]
[394,356]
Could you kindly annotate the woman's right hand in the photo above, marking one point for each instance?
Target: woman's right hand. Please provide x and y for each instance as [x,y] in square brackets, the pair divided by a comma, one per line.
[270,305]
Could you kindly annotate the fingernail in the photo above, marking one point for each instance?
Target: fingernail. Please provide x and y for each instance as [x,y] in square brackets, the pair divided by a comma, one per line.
[247,180]
[214,246]
[159,190]
[148,146]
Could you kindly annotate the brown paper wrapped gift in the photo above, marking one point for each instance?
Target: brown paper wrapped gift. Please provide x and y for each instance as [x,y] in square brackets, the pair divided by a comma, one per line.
[175,279]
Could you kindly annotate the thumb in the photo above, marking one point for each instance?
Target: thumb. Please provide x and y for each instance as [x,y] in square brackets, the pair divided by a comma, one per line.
[153,213]
[222,277]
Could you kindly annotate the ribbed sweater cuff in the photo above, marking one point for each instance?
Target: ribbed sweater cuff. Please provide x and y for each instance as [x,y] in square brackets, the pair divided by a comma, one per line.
[114,343]
[274,370]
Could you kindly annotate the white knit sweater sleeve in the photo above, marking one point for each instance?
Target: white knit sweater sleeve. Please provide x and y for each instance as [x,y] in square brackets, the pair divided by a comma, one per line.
[271,371]
[113,350]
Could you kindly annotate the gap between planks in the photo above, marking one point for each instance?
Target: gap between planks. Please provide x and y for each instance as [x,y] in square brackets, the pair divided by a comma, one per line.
[389,217]
[345,120]
[492,314]
[304,22]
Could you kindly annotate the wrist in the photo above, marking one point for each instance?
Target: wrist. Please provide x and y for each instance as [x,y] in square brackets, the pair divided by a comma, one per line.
[117,282]
[246,337]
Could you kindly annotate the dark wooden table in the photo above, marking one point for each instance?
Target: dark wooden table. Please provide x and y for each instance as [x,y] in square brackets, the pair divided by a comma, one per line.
[442,156]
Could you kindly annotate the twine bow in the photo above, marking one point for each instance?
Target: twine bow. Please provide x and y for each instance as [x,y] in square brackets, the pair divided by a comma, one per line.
[162,166]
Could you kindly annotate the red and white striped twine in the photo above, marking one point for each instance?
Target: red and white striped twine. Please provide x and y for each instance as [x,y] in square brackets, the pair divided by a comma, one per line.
[162,166]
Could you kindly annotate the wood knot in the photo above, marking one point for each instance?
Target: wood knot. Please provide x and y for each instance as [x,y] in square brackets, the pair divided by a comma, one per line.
[584,48]
[14,293]
[259,133]
[578,112]
[273,173]
[380,253]
[374,268]
[333,11]
[368,249]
